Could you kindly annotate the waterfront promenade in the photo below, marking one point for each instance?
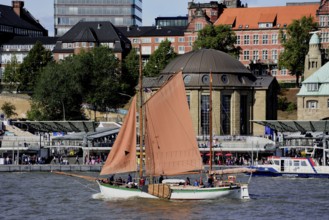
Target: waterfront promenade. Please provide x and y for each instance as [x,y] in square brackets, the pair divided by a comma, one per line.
[50,167]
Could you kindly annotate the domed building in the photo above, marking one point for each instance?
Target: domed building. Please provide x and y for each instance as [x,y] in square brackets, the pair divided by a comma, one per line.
[238,96]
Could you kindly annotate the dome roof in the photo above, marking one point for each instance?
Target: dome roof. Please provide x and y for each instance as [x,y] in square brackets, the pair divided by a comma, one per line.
[315,39]
[204,61]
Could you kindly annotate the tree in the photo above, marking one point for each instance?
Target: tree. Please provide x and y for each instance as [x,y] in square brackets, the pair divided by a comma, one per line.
[102,86]
[57,94]
[296,45]
[37,58]
[219,37]
[130,72]
[92,78]
[8,109]
[10,75]
[159,59]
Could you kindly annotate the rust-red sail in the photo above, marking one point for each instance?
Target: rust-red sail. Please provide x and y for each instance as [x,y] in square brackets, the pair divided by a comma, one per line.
[122,157]
[170,141]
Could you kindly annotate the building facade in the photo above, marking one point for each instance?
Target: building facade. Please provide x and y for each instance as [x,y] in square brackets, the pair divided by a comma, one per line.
[257,31]
[322,15]
[313,97]
[237,95]
[171,21]
[87,35]
[118,12]
[19,30]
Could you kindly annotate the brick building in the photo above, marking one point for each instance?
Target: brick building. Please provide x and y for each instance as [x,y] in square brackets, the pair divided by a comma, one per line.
[257,31]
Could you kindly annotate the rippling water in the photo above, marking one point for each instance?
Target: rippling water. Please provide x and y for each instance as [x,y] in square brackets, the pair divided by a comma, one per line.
[51,196]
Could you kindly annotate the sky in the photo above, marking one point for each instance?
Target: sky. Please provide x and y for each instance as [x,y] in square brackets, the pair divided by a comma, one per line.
[43,10]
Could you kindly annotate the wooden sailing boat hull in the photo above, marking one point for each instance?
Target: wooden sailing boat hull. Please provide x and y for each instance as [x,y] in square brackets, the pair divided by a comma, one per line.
[177,192]
[111,192]
[193,193]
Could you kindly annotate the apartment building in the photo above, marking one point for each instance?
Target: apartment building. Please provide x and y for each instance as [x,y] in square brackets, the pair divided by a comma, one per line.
[19,30]
[118,12]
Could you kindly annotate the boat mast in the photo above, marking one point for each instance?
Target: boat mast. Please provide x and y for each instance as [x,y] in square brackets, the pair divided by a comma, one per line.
[140,113]
[210,122]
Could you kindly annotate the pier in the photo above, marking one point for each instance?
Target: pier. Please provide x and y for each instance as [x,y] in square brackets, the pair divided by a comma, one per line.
[50,167]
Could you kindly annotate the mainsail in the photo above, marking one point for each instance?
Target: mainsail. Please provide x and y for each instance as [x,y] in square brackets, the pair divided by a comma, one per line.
[122,157]
[170,141]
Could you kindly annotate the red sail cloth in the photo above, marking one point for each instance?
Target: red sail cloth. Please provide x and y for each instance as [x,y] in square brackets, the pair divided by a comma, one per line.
[122,157]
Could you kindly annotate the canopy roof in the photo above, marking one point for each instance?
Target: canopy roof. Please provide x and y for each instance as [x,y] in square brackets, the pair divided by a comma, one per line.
[296,126]
[57,126]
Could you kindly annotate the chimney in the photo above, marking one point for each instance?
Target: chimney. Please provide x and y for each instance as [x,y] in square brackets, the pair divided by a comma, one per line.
[18,6]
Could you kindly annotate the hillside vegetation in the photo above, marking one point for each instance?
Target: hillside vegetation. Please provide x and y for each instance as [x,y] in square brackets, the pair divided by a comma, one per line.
[288,108]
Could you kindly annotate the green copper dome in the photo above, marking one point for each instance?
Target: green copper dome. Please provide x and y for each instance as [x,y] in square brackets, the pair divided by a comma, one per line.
[315,39]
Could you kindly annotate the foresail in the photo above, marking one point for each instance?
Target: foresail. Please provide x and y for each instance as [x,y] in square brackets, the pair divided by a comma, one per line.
[122,157]
[170,141]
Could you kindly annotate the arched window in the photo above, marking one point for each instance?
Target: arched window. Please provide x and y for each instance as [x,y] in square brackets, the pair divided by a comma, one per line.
[312,104]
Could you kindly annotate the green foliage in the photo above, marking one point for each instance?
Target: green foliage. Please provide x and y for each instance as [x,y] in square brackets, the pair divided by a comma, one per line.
[291,107]
[282,103]
[219,37]
[103,79]
[8,109]
[10,74]
[130,73]
[296,44]
[93,78]
[56,94]
[159,59]
[37,58]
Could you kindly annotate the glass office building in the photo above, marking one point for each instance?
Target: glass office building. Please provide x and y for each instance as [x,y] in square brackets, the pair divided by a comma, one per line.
[118,12]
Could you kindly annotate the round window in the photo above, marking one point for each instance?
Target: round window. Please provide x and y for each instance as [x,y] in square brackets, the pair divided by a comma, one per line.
[224,79]
[187,79]
[205,79]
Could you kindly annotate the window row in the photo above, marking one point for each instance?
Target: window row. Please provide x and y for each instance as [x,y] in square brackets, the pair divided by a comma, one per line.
[257,39]
[103,2]
[257,55]
[119,21]
[324,20]
[95,11]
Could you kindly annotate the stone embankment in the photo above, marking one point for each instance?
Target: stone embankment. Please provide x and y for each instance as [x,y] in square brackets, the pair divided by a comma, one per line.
[50,167]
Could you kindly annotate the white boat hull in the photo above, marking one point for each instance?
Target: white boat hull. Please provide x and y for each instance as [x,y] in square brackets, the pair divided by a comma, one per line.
[196,193]
[178,192]
[291,167]
[119,192]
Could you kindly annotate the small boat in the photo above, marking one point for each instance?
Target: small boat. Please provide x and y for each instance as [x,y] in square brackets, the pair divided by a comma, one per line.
[304,167]
[171,149]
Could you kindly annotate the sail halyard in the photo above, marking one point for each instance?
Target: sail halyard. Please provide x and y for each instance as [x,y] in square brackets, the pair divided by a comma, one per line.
[140,113]
[171,146]
[210,124]
[122,157]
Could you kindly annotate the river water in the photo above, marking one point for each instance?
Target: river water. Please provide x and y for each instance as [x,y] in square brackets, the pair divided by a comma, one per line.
[38,195]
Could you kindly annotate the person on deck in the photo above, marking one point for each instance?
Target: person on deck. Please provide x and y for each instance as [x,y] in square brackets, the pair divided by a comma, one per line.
[160,179]
[187,182]
[210,180]
[130,179]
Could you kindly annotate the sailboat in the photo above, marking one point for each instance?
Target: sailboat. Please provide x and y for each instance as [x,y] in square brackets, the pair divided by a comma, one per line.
[171,149]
